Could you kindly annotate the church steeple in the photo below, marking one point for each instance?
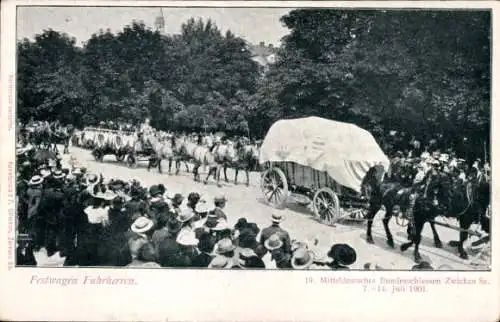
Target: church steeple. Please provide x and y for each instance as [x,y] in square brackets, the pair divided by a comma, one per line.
[160,22]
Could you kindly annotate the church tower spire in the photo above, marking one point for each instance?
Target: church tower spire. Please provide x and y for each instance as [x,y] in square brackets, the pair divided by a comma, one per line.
[160,22]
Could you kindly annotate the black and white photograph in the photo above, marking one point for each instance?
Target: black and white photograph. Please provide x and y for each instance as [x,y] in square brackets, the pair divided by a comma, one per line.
[264,138]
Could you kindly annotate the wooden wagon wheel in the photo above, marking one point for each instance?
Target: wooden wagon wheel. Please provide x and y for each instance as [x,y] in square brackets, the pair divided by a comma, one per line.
[326,205]
[154,162]
[274,186]
[131,161]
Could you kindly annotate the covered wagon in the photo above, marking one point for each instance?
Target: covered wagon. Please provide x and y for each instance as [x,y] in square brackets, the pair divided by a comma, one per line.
[322,160]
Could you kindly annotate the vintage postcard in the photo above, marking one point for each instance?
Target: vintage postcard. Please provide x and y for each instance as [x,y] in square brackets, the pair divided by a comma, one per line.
[249,161]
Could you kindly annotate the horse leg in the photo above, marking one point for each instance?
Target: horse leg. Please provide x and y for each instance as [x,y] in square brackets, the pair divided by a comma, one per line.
[437,240]
[372,211]
[150,161]
[248,177]
[236,176]
[385,221]
[465,223]
[177,167]
[225,174]
[159,165]
[208,175]
[419,225]
[195,172]
[187,167]
[218,176]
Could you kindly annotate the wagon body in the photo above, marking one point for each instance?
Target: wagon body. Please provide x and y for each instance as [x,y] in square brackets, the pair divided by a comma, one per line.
[321,159]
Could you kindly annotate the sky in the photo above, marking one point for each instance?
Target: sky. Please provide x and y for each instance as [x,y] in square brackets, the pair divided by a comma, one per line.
[253,24]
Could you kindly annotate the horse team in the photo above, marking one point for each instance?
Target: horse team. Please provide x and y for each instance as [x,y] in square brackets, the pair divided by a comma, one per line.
[437,193]
[201,150]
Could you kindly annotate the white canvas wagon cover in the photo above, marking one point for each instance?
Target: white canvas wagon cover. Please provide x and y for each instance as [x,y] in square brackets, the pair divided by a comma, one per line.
[343,150]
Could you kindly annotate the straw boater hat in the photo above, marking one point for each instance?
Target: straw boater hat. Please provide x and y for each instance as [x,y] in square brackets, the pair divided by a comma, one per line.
[302,258]
[185,215]
[220,262]
[108,195]
[221,225]
[203,206]
[276,218]
[187,238]
[273,242]
[244,255]
[142,225]
[76,172]
[45,173]
[35,180]
[58,174]
[224,246]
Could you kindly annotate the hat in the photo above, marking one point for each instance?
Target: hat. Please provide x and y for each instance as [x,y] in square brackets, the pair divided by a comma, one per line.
[36,180]
[187,238]
[211,220]
[108,195]
[302,258]
[220,262]
[244,255]
[273,242]
[178,198]
[70,177]
[221,225]
[186,215]
[174,226]
[343,254]
[220,198]
[203,206]
[224,246]
[91,178]
[276,218]
[26,163]
[142,225]
[154,191]
[58,174]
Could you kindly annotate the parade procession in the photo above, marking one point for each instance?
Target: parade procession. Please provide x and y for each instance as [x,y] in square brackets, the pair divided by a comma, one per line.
[203,150]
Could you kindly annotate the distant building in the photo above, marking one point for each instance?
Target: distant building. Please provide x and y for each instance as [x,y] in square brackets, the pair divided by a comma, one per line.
[263,54]
[160,23]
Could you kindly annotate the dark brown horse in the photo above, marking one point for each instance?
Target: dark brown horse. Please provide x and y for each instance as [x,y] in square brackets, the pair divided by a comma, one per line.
[445,195]
[398,191]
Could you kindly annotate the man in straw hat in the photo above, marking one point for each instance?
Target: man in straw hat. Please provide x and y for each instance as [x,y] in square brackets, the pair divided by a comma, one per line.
[275,228]
[140,234]
[302,259]
[222,262]
[225,247]
[248,259]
